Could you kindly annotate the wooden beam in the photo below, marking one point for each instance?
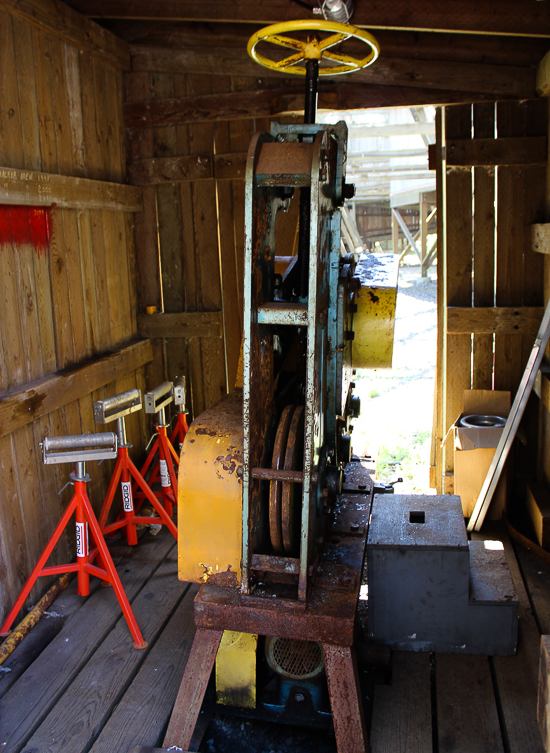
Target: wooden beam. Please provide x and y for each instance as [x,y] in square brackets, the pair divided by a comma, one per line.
[540,237]
[211,107]
[466,48]
[186,324]
[21,406]
[147,172]
[499,80]
[505,320]
[543,77]
[514,17]
[257,103]
[28,188]
[58,19]
[526,150]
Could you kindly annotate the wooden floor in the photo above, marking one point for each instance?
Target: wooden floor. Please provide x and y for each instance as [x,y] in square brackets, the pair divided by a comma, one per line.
[75,684]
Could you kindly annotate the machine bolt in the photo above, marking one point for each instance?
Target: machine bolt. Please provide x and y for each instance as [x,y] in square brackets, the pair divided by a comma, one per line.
[299,697]
[240,471]
[354,526]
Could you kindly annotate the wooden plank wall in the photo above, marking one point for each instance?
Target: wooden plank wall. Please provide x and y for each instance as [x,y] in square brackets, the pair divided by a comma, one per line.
[193,261]
[61,79]
[493,280]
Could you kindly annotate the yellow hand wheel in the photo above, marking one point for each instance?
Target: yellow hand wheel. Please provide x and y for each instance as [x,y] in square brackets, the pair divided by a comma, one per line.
[313,49]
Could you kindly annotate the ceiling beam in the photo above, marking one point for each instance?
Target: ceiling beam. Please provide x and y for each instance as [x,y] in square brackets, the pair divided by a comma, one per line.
[507,17]
[496,80]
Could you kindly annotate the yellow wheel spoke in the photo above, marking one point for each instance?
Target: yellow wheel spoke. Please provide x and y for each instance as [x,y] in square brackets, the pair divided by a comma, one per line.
[345,59]
[281,41]
[333,40]
[292,60]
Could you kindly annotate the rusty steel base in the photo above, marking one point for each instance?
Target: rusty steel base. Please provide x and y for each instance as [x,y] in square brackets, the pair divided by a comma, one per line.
[328,617]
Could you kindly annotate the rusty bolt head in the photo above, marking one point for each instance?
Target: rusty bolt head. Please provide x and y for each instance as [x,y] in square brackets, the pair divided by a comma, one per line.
[354,526]
[299,698]
[240,471]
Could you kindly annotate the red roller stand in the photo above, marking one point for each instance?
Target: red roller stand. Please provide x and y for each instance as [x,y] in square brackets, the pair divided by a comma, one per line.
[84,567]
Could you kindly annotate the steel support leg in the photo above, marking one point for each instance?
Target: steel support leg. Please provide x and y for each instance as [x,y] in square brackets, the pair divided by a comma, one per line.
[345,699]
[193,687]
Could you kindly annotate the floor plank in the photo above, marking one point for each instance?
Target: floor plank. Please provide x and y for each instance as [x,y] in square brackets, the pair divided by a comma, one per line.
[517,676]
[83,710]
[401,717]
[536,573]
[467,717]
[142,715]
[36,692]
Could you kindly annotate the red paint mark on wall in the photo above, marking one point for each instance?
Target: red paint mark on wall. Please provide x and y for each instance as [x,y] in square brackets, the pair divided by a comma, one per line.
[41,225]
[25,225]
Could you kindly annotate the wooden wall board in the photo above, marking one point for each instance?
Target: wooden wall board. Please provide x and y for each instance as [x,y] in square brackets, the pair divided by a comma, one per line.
[74,103]
[503,319]
[401,715]
[58,19]
[230,282]
[152,692]
[188,324]
[30,127]
[484,246]
[509,250]
[516,150]
[36,693]
[20,406]
[32,188]
[467,716]
[458,274]
[146,228]
[10,116]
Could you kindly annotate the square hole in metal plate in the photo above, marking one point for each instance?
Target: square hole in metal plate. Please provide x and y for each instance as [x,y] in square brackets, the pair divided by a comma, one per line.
[417,516]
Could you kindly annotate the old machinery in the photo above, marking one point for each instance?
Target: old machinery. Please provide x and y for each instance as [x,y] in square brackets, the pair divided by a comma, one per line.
[263,524]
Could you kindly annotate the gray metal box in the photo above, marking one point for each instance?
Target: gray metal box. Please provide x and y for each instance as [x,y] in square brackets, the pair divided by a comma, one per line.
[419,573]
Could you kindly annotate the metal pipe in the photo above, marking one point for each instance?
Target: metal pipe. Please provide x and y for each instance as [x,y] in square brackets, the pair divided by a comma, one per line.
[121,431]
[161,390]
[118,401]
[28,622]
[79,441]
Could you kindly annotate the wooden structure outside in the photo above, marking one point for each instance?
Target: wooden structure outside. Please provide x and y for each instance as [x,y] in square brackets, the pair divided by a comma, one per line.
[491,291]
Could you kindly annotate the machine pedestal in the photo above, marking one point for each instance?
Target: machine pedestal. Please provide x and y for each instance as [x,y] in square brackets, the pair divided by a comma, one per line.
[328,618]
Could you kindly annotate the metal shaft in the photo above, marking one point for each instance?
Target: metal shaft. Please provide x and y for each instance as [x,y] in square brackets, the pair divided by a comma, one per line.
[312,77]
[310,112]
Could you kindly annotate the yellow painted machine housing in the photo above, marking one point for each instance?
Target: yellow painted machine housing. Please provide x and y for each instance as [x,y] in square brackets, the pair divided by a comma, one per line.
[374,320]
[210,495]
[236,669]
